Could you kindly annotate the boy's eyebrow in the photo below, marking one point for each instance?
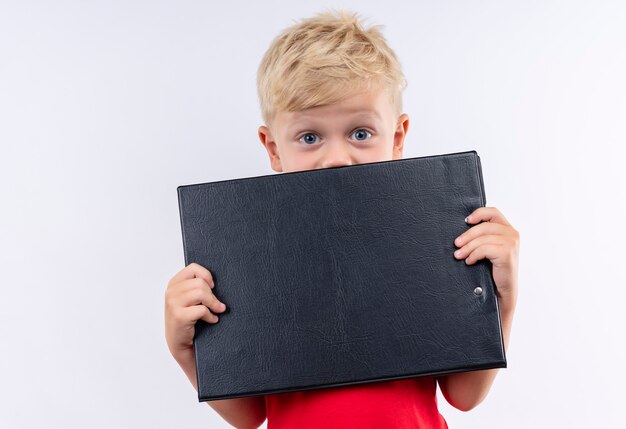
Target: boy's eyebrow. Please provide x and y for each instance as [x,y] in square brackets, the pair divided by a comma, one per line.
[358,114]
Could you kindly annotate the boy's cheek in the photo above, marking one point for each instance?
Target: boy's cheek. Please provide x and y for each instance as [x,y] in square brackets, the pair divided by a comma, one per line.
[296,162]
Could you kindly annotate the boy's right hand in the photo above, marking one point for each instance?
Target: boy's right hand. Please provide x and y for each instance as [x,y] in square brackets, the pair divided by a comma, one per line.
[189,298]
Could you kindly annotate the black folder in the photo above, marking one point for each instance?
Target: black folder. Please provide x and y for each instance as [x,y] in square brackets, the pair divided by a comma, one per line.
[341,276]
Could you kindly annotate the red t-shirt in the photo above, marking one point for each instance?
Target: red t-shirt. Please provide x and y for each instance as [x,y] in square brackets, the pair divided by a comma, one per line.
[406,403]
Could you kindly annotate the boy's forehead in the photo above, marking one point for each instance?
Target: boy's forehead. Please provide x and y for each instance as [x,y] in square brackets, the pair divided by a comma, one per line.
[361,112]
[371,103]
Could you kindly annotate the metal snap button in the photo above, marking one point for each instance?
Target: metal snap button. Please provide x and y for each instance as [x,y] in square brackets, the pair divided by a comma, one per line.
[478,291]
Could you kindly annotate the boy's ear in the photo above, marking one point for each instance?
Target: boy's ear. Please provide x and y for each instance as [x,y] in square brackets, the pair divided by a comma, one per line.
[398,138]
[268,141]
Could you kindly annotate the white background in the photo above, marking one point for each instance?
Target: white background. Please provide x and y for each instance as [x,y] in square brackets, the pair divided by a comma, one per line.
[106,107]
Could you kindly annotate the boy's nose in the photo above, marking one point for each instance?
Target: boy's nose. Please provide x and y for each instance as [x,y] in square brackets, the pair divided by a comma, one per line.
[336,163]
[336,155]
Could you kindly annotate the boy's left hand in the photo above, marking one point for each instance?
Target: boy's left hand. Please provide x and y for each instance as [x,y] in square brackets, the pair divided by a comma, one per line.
[496,240]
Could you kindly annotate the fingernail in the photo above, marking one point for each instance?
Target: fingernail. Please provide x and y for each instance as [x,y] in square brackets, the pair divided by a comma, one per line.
[223,306]
[467,219]
[212,285]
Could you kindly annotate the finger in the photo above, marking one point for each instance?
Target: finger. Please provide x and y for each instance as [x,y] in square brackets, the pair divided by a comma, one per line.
[466,250]
[174,291]
[480,230]
[489,251]
[201,296]
[487,214]
[201,312]
[188,316]
[189,284]
[191,271]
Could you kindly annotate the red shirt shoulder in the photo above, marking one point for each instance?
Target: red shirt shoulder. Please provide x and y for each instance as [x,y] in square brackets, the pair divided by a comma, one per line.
[407,403]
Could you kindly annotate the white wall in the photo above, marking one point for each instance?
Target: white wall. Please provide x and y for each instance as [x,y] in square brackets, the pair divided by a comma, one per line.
[106,107]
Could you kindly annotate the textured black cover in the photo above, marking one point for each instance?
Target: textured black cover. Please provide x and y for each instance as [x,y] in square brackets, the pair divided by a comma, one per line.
[340,276]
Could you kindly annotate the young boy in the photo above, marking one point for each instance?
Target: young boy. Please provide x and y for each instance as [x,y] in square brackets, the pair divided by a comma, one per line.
[331,95]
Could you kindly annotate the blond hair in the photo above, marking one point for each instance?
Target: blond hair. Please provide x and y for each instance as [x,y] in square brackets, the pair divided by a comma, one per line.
[325,58]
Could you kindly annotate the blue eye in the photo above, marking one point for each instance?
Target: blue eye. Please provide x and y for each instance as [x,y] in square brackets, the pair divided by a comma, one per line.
[308,138]
[361,134]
